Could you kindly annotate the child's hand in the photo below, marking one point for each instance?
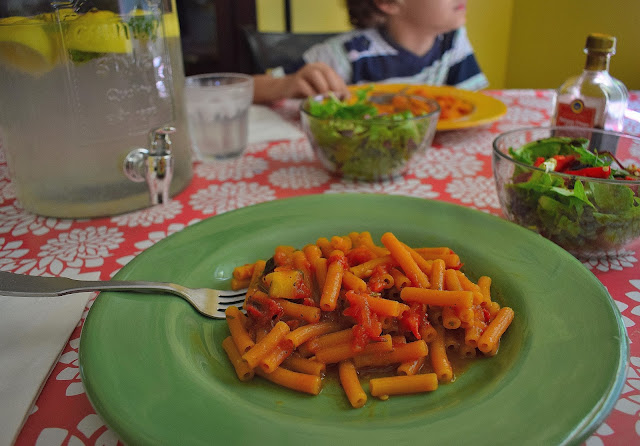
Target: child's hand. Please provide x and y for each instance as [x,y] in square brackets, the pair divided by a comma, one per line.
[312,79]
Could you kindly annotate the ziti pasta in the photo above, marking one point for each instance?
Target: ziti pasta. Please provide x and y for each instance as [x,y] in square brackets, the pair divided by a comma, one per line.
[397,314]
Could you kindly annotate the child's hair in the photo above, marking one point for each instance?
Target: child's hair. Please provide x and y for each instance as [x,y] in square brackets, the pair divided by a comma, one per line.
[366,14]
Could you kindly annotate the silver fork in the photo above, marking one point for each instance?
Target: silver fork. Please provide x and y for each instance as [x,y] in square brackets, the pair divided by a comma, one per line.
[209,302]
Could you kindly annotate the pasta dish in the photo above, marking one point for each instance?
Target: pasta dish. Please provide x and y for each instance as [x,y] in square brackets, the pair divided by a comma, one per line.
[396,313]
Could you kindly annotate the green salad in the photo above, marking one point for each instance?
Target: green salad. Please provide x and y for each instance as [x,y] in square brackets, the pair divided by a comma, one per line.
[366,140]
[586,212]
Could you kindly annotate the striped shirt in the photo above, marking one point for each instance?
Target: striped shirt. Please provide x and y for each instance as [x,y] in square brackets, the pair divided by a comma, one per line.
[370,55]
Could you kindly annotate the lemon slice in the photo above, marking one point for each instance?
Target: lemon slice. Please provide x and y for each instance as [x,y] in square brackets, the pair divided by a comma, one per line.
[26,46]
[170,20]
[12,20]
[98,32]
[171,25]
[63,14]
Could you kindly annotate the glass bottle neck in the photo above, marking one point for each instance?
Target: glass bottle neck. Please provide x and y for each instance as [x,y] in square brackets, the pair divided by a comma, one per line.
[597,61]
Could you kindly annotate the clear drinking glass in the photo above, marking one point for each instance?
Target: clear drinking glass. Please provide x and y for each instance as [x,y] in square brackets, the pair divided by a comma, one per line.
[84,83]
[218,114]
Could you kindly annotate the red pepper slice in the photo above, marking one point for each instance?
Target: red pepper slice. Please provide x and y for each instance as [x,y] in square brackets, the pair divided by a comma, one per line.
[564,161]
[592,172]
[539,160]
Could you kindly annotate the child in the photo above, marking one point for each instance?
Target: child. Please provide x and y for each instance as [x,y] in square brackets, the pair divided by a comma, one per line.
[399,41]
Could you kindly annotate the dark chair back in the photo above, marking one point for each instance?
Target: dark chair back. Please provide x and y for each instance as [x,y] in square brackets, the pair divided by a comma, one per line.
[276,49]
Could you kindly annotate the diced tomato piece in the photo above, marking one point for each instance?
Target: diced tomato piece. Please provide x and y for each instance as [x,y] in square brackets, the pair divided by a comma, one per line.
[359,255]
[338,256]
[293,323]
[264,309]
[360,338]
[309,302]
[368,321]
[377,281]
[302,291]
[413,320]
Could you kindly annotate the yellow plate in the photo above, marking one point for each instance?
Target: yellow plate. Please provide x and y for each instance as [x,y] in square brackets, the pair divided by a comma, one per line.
[483,108]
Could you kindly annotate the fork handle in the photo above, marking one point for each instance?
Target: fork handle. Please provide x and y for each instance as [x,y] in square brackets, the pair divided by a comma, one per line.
[22,285]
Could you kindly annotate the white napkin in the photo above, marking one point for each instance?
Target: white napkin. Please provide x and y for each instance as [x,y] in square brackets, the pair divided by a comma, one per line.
[33,333]
[267,125]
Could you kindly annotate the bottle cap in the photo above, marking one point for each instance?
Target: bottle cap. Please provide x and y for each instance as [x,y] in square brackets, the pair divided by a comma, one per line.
[602,43]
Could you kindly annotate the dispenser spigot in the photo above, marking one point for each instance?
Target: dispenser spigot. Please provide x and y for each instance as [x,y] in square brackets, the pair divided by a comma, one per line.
[153,165]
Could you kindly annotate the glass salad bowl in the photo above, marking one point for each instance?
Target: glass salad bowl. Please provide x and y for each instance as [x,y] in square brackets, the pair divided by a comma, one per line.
[577,187]
[369,137]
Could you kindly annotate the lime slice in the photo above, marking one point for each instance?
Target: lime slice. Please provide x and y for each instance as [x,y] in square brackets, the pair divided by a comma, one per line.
[26,46]
[98,32]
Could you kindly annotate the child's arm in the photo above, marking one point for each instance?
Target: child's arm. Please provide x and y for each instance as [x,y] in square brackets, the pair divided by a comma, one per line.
[311,79]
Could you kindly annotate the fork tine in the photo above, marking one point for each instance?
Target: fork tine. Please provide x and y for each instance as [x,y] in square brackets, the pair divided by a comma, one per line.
[227,298]
[225,293]
[222,306]
[230,299]
[220,314]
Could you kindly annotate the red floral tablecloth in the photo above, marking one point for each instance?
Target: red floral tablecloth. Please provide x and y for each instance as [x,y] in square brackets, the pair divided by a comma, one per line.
[457,170]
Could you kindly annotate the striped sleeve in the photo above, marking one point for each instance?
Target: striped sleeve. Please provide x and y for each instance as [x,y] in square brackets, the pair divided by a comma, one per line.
[464,71]
[332,53]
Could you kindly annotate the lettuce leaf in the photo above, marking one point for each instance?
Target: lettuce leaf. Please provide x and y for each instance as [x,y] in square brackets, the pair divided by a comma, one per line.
[546,148]
[613,198]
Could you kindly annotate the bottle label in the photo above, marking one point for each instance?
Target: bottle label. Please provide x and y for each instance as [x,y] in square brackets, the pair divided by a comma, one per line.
[575,114]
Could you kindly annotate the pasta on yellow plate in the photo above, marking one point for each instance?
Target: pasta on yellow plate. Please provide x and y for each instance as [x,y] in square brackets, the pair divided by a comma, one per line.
[451,107]
[396,314]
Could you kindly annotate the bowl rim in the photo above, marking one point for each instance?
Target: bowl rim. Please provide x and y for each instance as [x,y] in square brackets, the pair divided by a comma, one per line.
[501,154]
[433,113]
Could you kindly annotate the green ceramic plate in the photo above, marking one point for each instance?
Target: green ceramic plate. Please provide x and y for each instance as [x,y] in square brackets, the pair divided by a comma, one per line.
[155,371]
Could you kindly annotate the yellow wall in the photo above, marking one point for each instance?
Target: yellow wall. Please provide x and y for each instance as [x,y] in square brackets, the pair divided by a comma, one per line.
[518,43]
[270,15]
[548,36]
[307,16]
[319,16]
[489,29]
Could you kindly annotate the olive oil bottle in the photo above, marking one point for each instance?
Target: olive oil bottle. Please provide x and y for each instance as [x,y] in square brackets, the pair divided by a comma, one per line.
[593,99]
